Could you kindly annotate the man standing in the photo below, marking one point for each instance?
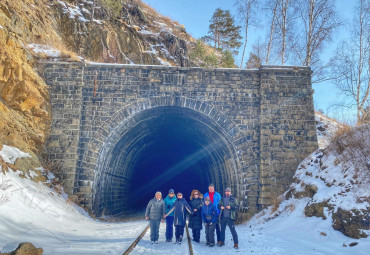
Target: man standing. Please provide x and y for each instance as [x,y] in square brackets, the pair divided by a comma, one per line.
[154,213]
[168,202]
[215,198]
[229,206]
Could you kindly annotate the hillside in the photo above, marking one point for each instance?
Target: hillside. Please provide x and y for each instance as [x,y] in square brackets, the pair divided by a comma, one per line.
[73,30]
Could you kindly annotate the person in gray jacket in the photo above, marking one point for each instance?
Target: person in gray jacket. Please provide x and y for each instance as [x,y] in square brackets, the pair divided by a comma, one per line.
[155,211]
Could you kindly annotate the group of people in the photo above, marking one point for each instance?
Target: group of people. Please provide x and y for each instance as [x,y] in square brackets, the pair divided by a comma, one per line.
[211,210]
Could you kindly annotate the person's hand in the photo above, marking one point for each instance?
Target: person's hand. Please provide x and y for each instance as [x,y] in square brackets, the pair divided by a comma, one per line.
[222,207]
[146,218]
[210,223]
[195,210]
[205,224]
[228,207]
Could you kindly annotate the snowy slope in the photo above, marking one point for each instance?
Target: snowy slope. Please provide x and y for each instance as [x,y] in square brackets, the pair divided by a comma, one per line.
[325,129]
[32,212]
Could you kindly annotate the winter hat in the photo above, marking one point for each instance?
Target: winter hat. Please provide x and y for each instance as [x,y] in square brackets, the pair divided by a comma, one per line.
[179,193]
[207,199]
[171,191]
[228,189]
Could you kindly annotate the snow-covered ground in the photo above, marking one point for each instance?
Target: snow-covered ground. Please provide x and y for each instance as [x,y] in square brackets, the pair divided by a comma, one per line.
[325,129]
[32,212]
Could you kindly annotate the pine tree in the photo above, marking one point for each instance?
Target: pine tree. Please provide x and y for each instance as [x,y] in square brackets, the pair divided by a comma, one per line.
[223,34]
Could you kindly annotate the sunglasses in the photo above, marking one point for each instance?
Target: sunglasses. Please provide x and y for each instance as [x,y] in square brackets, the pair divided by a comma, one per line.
[196,194]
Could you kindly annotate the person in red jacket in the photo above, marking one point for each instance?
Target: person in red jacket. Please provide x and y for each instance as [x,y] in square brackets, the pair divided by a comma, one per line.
[215,198]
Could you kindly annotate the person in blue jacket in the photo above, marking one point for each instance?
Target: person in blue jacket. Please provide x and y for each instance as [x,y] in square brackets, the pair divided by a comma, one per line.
[179,217]
[215,198]
[209,217]
[168,203]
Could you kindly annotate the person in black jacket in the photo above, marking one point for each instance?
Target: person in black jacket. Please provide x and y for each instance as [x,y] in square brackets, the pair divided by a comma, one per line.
[195,220]
[179,218]
[229,207]
[154,213]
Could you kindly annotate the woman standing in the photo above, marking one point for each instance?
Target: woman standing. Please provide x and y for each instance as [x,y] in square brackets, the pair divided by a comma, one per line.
[154,213]
[195,220]
[179,219]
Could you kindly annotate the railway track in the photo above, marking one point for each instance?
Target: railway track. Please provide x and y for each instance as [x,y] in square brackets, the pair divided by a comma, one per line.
[137,240]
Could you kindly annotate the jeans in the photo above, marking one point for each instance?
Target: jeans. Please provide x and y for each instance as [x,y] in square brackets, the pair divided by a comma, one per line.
[154,230]
[179,232]
[218,231]
[210,233]
[228,221]
[169,227]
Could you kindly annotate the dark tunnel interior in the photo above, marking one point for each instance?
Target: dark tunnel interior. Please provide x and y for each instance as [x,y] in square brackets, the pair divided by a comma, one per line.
[163,148]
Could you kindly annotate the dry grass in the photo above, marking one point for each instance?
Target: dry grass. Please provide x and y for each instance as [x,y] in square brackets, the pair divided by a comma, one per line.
[353,145]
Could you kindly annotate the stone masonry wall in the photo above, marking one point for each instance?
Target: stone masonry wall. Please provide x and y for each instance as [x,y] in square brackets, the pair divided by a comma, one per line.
[272,107]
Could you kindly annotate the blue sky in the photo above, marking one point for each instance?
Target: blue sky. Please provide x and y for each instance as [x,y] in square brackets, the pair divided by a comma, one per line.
[195,16]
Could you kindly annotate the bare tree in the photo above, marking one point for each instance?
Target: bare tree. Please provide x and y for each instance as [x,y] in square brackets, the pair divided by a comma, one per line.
[319,22]
[256,56]
[282,20]
[271,9]
[351,65]
[246,10]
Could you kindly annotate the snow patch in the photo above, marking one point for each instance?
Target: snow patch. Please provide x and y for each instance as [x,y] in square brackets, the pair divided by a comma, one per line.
[325,129]
[44,49]
[73,11]
[11,154]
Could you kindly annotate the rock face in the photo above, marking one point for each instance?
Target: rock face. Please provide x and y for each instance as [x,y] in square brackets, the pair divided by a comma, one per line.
[24,99]
[137,34]
[26,249]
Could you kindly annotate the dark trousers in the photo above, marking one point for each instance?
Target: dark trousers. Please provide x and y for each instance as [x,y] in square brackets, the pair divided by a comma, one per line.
[229,222]
[218,231]
[196,234]
[179,231]
[154,230]
[210,233]
[169,227]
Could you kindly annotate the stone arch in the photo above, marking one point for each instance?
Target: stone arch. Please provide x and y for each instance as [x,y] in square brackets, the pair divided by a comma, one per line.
[99,159]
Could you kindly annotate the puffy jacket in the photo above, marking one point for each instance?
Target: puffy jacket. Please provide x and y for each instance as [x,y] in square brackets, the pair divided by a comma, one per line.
[155,209]
[179,208]
[209,213]
[168,202]
[234,207]
[216,200]
[195,220]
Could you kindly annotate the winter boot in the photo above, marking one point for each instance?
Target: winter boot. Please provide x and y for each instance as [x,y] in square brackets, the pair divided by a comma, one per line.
[180,240]
[219,244]
[211,244]
[236,246]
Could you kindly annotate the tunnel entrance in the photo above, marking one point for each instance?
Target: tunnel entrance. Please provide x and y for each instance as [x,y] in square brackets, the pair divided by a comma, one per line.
[158,149]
